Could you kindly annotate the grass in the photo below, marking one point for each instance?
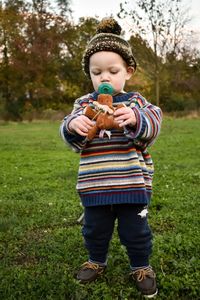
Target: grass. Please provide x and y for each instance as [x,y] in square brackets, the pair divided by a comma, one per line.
[41,245]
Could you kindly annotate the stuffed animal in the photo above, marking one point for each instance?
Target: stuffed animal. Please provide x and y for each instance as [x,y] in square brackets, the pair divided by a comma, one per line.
[101,111]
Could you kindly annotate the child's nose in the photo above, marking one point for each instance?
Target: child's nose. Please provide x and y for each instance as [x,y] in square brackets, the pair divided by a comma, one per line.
[104,77]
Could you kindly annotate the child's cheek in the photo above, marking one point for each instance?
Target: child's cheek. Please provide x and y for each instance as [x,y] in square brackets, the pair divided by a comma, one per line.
[95,85]
[118,86]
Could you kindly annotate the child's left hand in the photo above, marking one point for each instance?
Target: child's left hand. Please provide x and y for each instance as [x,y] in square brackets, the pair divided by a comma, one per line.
[125,116]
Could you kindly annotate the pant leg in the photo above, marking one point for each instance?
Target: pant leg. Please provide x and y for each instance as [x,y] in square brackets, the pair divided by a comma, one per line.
[97,231]
[135,233]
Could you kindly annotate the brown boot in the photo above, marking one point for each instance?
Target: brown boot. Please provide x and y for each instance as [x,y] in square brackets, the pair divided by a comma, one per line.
[89,272]
[145,281]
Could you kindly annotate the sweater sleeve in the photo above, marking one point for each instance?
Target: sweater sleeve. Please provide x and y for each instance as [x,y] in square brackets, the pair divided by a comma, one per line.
[148,122]
[74,140]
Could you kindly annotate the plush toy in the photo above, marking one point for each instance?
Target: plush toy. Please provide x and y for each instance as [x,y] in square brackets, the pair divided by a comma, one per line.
[101,111]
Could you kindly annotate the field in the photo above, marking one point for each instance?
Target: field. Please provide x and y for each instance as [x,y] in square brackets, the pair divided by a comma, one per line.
[41,245]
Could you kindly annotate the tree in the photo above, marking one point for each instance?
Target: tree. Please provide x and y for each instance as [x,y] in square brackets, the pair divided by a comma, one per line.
[142,79]
[160,23]
[44,36]
[11,24]
[31,39]
[181,80]
[76,37]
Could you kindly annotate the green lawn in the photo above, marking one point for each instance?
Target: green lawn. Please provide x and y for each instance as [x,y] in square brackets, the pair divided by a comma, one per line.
[41,245]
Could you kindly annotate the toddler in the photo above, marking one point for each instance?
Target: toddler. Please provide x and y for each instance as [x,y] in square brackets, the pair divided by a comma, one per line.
[115,172]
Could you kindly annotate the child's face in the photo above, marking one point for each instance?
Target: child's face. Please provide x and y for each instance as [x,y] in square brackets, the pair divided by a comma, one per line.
[106,66]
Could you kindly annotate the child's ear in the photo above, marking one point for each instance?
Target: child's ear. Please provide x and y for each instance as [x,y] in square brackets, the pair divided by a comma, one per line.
[130,71]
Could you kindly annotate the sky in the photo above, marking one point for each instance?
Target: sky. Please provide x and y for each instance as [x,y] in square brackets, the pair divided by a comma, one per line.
[103,8]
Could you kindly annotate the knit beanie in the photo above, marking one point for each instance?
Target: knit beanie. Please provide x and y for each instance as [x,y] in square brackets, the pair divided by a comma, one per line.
[108,38]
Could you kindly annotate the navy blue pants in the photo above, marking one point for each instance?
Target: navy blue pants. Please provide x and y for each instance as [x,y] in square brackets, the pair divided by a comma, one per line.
[133,230]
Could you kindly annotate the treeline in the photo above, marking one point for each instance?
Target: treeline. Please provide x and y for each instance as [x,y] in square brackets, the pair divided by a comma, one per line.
[40,61]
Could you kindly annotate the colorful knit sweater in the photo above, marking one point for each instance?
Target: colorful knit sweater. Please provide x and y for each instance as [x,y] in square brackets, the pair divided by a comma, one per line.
[120,169]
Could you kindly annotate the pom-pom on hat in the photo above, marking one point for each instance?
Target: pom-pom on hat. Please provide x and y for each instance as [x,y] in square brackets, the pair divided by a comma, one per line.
[108,38]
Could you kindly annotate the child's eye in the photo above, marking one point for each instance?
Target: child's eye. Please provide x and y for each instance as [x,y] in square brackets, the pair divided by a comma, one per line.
[114,71]
[96,73]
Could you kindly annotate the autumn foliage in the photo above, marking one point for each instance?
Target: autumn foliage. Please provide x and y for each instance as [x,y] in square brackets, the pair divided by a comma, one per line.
[40,62]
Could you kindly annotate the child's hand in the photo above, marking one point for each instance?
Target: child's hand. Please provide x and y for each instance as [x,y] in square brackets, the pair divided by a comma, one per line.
[125,116]
[81,125]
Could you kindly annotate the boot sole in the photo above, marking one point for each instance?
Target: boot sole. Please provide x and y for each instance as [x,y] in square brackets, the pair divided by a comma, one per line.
[151,296]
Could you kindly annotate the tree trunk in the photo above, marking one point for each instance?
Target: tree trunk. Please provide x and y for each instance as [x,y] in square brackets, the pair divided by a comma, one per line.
[157,87]
[157,75]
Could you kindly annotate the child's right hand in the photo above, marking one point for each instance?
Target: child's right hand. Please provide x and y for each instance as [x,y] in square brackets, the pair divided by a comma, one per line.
[81,125]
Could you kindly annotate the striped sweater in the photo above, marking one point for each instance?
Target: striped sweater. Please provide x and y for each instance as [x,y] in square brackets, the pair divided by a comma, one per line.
[120,169]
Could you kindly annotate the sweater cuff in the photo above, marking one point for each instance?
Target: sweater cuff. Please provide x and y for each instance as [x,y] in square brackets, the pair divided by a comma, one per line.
[139,129]
[69,135]
[67,120]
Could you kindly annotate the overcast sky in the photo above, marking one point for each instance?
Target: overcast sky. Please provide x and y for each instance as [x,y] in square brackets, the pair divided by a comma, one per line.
[103,8]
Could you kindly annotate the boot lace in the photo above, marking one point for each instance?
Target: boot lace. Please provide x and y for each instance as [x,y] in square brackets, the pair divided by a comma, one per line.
[141,274]
[93,266]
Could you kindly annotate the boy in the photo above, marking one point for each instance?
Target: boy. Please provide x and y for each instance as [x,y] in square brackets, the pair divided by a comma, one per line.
[115,174]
